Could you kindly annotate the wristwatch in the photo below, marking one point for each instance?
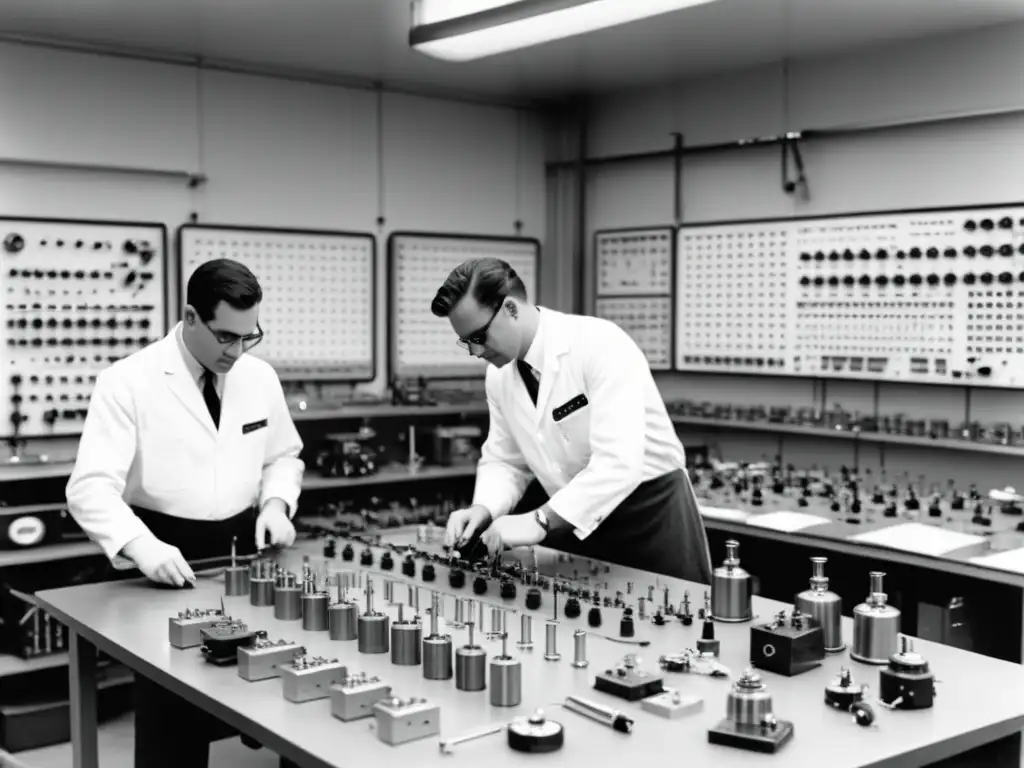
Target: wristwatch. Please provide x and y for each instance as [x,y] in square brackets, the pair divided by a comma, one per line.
[542,519]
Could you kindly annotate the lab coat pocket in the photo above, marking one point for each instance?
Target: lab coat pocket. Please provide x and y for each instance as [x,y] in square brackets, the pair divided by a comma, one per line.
[575,432]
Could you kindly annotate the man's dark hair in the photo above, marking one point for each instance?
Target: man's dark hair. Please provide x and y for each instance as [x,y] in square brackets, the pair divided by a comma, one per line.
[486,280]
[222,280]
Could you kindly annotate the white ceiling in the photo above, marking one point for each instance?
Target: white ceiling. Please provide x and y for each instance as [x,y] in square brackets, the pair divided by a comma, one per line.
[367,39]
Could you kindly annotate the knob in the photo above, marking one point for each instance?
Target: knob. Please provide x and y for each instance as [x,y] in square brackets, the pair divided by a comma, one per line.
[14,243]
[970,251]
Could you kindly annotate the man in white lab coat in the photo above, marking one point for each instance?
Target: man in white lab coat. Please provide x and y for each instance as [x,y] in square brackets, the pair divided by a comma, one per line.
[579,411]
[187,448]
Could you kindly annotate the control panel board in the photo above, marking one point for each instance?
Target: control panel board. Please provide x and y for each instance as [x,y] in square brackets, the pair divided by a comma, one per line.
[634,287]
[319,295]
[921,296]
[419,263]
[78,295]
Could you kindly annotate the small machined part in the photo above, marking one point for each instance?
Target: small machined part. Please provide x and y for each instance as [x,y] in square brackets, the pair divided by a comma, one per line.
[400,721]
[264,659]
[354,697]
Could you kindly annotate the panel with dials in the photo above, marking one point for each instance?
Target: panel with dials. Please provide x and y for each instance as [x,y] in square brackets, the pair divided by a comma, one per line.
[420,343]
[77,296]
[319,299]
[921,296]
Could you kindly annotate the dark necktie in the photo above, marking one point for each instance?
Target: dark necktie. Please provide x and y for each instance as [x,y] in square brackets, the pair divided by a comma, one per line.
[210,396]
[532,387]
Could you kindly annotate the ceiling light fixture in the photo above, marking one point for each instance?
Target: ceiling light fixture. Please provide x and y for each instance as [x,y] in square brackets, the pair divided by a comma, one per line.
[463,30]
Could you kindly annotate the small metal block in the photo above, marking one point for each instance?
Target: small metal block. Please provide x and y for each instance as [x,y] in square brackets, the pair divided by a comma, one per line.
[403,720]
[672,705]
[354,697]
[264,659]
[183,630]
[307,679]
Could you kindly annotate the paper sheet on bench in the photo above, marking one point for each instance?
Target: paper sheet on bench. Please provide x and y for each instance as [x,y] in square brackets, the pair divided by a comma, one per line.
[1010,560]
[919,538]
[786,521]
[717,513]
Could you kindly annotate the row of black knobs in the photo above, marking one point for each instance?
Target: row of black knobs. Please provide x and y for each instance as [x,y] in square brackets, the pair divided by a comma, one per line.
[914,253]
[986,278]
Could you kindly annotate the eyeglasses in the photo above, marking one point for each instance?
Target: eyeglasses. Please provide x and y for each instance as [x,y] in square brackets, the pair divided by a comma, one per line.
[230,339]
[479,338]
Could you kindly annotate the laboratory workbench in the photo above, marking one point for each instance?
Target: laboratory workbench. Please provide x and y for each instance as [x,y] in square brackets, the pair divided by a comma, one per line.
[980,700]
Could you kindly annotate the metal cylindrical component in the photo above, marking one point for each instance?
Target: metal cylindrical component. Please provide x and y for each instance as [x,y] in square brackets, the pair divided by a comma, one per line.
[497,621]
[730,588]
[749,702]
[236,581]
[551,642]
[824,606]
[470,668]
[261,592]
[525,632]
[373,633]
[506,682]
[314,612]
[641,608]
[341,621]
[406,637]
[579,643]
[460,619]
[437,657]
[876,626]
[288,603]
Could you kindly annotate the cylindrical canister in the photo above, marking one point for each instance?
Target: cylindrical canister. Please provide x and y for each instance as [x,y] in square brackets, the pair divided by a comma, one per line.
[341,621]
[314,612]
[261,592]
[470,668]
[506,682]
[579,642]
[373,633]
[288,603]
[236,581]
[730,588]
[551,642]
[824,606]
[876,626]
[406,637]
[525,633]
[749,702]
[437,657]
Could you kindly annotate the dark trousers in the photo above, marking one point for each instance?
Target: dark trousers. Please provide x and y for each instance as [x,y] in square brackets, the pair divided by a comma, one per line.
[169,731]
[657,528]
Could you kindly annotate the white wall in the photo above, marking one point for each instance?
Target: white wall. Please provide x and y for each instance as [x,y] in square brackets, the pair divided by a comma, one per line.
[964,162]
[277,153]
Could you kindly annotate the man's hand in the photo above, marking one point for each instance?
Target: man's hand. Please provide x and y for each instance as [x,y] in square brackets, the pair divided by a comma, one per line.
[273,520]
[512,531]
[160,562]
[463,524]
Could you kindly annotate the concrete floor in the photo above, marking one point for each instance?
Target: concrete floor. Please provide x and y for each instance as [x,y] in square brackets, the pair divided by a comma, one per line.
[117,742]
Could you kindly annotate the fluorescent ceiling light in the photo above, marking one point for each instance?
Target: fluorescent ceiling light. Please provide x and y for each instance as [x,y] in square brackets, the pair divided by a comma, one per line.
[462,30]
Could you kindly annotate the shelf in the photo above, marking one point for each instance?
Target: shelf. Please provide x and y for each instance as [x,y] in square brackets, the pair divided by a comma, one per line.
[15,665]
[48,553]
[389,475]
[385,411]
[864,437]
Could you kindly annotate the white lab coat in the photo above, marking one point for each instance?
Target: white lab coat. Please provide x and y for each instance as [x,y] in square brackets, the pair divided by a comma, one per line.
[589,461]
[149,441]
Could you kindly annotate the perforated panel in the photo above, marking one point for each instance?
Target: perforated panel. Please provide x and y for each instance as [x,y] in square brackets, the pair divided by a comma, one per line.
[648,320]
[927,296]
[78,295]
[424,345]
[634,262]
[318,295]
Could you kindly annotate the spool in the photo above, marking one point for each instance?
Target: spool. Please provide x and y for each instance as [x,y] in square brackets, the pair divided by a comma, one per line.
[341,621]
[236,581]
[506,682]
[373,633]
[287,603]
[535,734]
[437,658]
[314,612]
[406,637]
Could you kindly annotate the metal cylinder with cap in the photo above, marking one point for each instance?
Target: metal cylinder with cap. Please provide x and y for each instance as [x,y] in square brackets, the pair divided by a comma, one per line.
[373,626]
[470,665]
[824,606]
[287,597]
[551,642]
[506,678]
[876,626]
[261,583]
[406,636]
[579,643]
[525,633]
[236,577]
[749,702]
[314,603]
[730,588]
[342,616]
[437,648]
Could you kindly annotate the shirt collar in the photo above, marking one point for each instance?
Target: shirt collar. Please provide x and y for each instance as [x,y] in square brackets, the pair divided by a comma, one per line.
[195,368]
[535,354]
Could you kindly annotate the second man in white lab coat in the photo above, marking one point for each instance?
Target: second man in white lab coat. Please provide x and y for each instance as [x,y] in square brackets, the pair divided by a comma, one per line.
[572,403]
